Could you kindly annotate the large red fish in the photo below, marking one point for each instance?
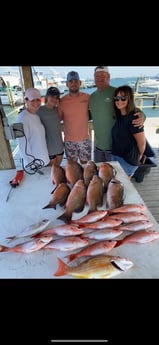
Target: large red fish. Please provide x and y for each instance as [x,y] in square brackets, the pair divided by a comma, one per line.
[62,230]
[59,196]
[67,243]
[31,229]
[57,175]
[95,190]
[115,194]
[73,171]
[90,169]
[129,217]
[107,222]
[106,172]
[141,236]
[91,217]
[128,208]
[101,247]
[136,226]
[29,246]
[103,234]
[75,201]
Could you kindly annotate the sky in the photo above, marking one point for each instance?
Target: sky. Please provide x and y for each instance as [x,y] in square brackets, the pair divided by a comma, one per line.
[86,72]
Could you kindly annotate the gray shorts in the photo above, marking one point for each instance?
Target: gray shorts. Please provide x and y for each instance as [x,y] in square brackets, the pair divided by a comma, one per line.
[102,155]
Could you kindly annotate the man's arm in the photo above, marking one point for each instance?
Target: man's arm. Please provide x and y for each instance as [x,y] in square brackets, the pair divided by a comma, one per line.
[139,121]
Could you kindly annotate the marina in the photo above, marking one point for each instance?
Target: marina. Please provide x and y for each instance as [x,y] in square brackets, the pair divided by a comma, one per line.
[25,206]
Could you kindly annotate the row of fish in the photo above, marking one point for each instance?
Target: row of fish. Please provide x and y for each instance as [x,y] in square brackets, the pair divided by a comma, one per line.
[97,226]
[77,186]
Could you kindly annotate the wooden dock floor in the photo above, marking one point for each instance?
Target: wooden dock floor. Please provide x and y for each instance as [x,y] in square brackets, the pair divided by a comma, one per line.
[149,188]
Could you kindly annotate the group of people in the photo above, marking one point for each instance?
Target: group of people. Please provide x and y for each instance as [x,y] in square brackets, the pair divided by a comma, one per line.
[118,124]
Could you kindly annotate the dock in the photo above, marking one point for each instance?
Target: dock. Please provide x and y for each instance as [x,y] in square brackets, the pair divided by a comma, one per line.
[149,188]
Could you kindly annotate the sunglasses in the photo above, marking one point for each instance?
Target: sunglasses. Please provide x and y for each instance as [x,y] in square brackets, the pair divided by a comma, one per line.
[120,98]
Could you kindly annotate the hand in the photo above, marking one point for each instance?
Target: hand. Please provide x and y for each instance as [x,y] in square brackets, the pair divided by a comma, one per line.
[142,159]
[139,121]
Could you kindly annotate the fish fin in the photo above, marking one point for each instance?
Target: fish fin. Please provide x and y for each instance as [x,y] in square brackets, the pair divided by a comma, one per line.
[53,190]
[118,243]
[62,204]
[3,248]
[10,237]
[71,257]
[49,206]
[62,268]
[65,217]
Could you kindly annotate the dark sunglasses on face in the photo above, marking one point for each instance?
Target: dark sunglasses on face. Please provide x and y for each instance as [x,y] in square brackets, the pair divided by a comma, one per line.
[120,98]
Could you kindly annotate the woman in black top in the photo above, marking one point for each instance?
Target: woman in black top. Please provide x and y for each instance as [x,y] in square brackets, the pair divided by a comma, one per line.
[128,142]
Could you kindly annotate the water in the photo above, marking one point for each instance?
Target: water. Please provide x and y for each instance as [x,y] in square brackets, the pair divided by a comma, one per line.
[13,112]
[149,112]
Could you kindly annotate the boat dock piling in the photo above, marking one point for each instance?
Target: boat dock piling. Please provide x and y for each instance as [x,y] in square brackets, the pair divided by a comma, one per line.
[10,96]
[140,97]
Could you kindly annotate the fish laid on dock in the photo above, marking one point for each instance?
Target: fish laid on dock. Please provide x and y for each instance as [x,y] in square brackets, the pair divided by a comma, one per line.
[91,217]
[73,171]
[141,236]
[29,246]
[100,266]
[59,196]
[62,230]
[103,234]
[75,201]
[95,192]
[32,229]
[136,226]
[128,208]
[100,247]
[57,175]
[90,170]
[115,194]
[129,217]
[106,172]
[67,243]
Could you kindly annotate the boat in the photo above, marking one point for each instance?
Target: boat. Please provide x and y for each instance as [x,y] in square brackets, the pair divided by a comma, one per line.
[44,81]
[10,89]
[152,83]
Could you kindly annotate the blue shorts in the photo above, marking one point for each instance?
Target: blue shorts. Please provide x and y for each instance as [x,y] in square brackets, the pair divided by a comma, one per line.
[128,168]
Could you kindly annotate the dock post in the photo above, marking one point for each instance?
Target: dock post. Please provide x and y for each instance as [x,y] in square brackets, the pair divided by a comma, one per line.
[140,103]
[10,96]
[155,100]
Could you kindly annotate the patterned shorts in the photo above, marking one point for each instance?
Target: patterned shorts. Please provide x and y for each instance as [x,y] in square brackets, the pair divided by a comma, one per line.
[78,149]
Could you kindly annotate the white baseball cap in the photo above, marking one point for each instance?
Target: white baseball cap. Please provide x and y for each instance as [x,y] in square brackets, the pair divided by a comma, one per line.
[32,93]
[101,69]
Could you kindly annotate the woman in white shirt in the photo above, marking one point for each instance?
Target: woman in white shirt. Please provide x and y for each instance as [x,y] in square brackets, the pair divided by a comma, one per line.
[32,145]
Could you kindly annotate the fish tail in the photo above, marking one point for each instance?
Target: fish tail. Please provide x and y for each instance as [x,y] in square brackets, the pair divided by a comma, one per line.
[3,248]
[49,206]
[10,237]
[90,210]
[65,217]
[118,243]
[62,268]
